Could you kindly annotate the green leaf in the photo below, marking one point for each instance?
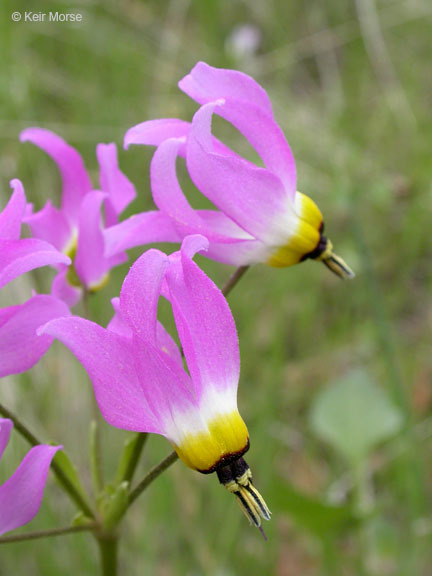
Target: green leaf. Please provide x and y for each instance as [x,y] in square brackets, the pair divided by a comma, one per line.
[313,514]
[354,415]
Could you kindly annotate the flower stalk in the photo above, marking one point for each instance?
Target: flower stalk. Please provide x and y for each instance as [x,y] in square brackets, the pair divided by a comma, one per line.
[234,279]
[108,549]
[152,475]
[39,534]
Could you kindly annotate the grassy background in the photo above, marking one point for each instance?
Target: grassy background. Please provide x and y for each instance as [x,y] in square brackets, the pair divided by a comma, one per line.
[351,87]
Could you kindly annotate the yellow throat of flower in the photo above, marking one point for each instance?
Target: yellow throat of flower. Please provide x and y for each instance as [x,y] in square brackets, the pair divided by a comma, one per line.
[308,241]
[225,440]
[72,275]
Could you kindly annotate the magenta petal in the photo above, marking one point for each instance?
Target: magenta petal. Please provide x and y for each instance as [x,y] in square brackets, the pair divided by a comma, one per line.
[164,341]
[21,495]
[167,194]
[239,253]
[20,256]
[113,181]
[265,136]
[76,182]
[140,293]
[154,132]
[90,263]
[205,84]
[12,214]
[50,224]
[251,196]
[20,346]
[167,345]
[117,323]
[204,322]
[167,384]
[6,426]
[109,361]
[138,230]
[169,198]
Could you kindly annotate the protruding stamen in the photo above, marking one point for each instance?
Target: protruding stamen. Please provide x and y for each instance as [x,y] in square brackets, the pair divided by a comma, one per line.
[237,479]
[335,263]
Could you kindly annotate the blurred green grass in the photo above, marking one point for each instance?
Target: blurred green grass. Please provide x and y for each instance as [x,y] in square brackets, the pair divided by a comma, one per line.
[352,94]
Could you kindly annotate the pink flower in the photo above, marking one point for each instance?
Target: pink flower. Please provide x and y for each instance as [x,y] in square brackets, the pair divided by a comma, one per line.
[20,347]
[21,495]
[20,256]
[138,375]
[77,228]
[260,217]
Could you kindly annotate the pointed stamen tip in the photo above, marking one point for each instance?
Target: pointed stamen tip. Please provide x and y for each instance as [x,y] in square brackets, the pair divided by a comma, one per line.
[264,535]
[339,267]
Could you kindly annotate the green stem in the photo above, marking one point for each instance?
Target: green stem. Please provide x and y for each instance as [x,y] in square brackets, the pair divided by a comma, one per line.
[108,548]
[61,476]
[96,458]
[152,475]
[140,442]
[234,279]
[47,533]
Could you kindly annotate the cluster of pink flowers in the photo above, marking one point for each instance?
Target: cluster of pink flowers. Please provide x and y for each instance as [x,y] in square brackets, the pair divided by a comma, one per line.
[136,367]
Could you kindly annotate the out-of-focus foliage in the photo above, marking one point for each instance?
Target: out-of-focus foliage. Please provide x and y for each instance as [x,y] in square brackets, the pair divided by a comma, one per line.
[353,415]
[351,87]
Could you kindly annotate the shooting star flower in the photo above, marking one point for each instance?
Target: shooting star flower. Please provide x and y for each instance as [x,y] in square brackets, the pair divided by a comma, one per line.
[138,375]
[77,228]
[261,217]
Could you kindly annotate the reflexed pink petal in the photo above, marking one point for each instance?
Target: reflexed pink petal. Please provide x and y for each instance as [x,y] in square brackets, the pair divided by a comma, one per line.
[166,344]
[205,84]
[204,322]
[138,230]
[113,181]
[20,346]
[168,387]
[167,194]
[221,228]
[90,263]
[169,198]
[239,253]
[20,256]
[76,182]
[265,136]
[140,293]
[61,289]
[6,313]
[21,495]
[50,224]
[117,323]
[164,341]
[251,196]
[12,214]
[109,361]
[6,426]
[154,132]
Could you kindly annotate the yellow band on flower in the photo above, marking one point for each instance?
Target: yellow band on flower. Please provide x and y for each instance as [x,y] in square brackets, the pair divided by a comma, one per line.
[306,236]
[225,439]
